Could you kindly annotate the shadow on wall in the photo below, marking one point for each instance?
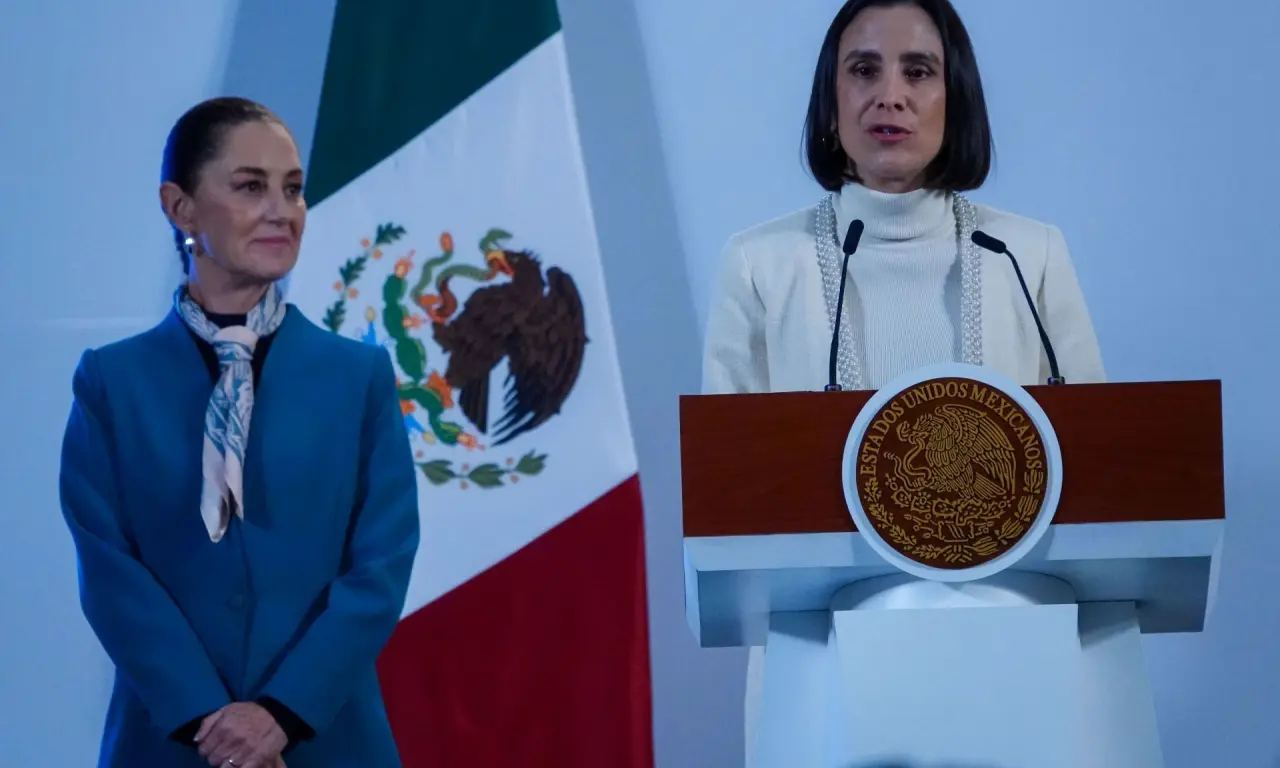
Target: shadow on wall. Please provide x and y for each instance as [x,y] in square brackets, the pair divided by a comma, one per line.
[697,692]
[288,80]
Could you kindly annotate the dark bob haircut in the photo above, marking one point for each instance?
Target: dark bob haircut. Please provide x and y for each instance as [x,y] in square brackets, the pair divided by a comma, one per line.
[964,160]
[197,137]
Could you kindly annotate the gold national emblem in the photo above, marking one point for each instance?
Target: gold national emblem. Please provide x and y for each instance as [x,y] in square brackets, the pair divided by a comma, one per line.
[951,473]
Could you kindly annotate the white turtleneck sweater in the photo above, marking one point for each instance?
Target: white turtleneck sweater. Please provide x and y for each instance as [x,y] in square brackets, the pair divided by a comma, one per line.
[769,330]
[903,292]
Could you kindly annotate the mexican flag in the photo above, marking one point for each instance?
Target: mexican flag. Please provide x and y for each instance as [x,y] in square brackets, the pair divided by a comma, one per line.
[450,224]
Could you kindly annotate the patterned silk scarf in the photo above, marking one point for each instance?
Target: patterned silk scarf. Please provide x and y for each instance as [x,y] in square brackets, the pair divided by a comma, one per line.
[226,421]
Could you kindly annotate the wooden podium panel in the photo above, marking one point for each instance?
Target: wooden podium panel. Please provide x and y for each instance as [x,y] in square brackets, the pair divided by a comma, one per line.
[771,463]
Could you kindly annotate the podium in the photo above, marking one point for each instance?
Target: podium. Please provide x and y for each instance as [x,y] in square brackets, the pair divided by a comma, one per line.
[875,655]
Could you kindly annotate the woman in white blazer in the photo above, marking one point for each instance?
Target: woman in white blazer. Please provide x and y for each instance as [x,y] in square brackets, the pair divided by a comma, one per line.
[896,131]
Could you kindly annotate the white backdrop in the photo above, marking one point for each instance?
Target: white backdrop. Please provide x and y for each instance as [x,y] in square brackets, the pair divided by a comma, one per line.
[1142,129]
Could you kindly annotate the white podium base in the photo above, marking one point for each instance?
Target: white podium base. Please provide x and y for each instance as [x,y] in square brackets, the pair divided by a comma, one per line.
[1007,672]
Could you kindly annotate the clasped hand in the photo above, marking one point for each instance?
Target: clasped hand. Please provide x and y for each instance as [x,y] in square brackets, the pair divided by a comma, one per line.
[243,735]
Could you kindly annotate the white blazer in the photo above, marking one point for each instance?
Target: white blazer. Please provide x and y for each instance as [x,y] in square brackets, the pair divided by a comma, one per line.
[768,329]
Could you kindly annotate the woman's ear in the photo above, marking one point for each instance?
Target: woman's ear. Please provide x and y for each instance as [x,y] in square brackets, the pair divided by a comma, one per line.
[177,206]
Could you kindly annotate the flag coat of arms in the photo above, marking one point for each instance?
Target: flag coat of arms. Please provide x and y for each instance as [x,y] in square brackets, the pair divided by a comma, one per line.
[450,225]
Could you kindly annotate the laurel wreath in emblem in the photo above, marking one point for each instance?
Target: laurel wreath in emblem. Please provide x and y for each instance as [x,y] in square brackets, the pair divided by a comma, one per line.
[418,317]
[979,537]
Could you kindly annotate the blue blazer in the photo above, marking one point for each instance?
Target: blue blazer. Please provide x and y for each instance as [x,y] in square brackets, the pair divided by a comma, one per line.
[296,602]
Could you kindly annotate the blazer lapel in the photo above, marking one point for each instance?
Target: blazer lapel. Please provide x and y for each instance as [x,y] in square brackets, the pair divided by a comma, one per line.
[273,411]
[294,444]
[174,397]
[1000,328]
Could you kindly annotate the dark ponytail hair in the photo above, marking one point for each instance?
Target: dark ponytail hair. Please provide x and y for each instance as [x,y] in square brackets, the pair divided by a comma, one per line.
[197,138]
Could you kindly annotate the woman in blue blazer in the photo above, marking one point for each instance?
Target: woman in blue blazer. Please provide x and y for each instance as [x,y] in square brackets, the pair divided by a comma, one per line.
[239,487]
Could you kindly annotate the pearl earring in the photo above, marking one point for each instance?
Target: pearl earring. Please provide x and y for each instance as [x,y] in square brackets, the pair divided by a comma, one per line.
[189,245]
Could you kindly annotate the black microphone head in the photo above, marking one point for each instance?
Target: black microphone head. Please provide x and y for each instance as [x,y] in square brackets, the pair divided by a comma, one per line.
[983,240]
[852,237]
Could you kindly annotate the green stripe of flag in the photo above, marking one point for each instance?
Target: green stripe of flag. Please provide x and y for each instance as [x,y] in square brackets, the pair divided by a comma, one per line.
[395,67]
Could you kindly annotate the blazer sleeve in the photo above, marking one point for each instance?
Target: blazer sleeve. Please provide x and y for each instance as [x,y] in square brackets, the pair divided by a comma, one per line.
[1066,318]
[139,625]
[734,357]
[364,604]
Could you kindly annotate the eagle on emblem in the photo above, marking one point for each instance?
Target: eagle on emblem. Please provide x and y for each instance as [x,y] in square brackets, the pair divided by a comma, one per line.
[964,452]
[533,321]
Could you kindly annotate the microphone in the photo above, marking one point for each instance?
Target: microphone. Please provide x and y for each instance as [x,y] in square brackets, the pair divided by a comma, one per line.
[983,240]
[851,239]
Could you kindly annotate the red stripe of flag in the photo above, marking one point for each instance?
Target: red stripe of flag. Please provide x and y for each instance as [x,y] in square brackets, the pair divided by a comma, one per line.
[541,660]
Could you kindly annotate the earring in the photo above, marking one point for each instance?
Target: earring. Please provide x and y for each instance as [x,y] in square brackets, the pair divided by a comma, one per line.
[189,245]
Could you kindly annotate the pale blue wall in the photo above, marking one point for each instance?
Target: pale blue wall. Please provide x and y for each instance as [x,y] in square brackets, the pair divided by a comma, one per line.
[1143,129]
